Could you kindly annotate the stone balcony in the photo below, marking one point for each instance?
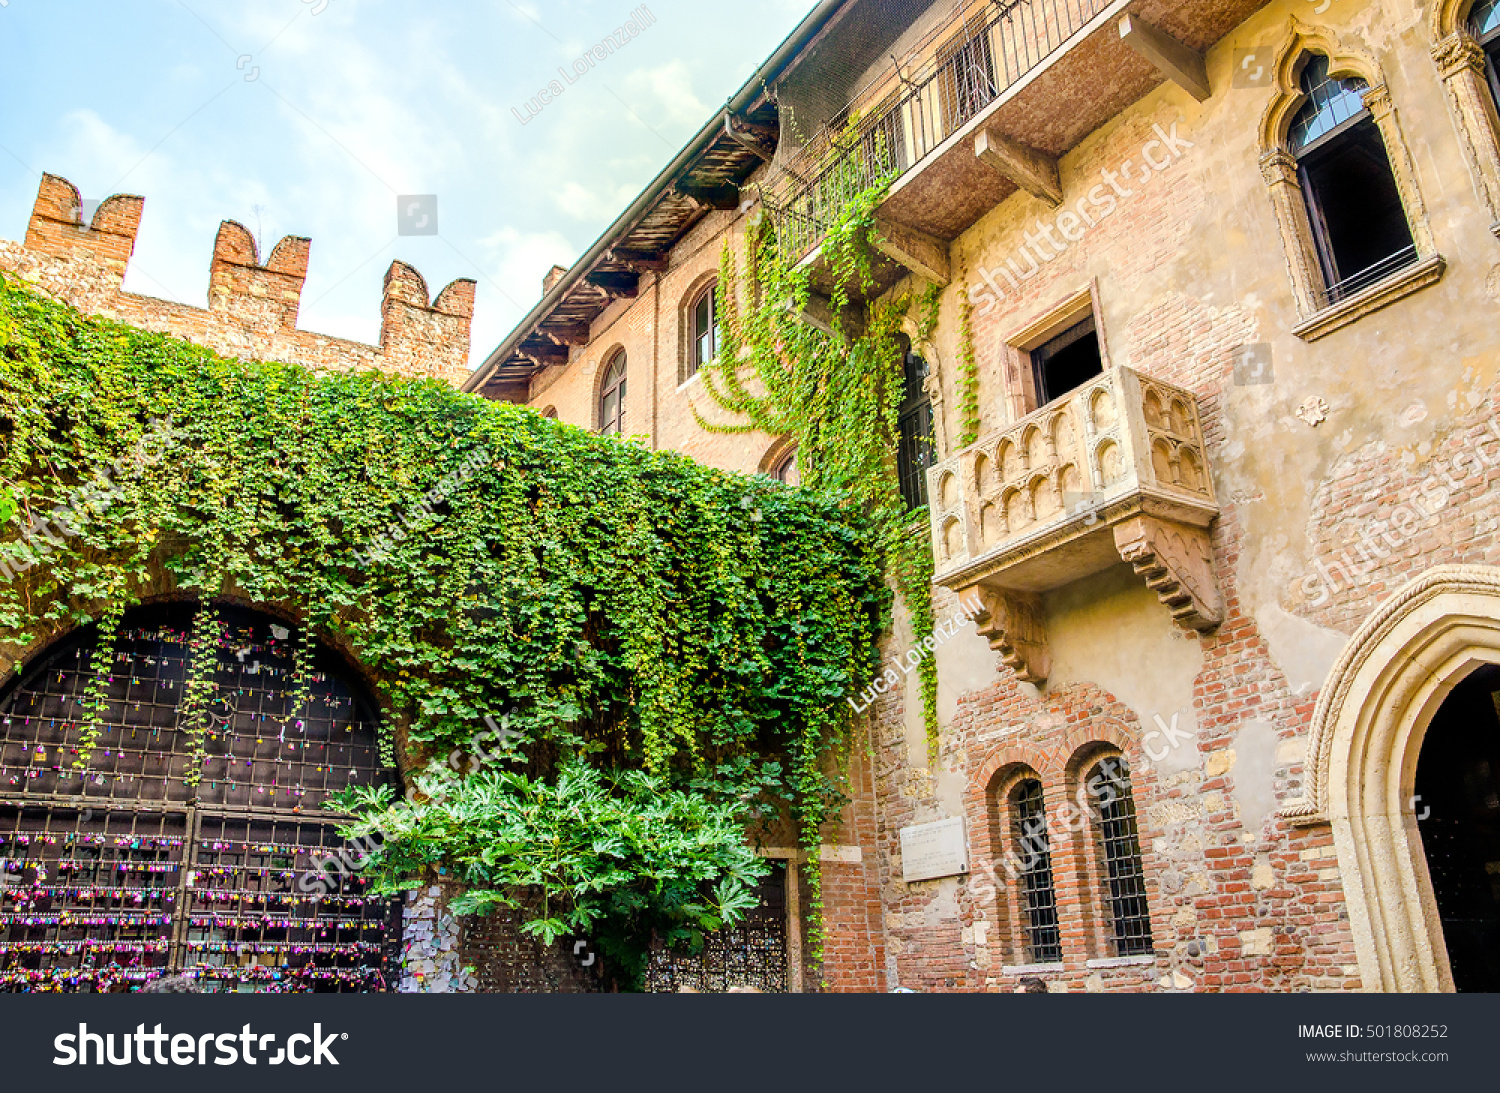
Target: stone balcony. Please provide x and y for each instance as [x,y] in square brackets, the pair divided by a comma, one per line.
[1114,471]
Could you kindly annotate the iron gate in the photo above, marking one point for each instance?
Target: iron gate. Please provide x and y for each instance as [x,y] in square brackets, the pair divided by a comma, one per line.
[752,954]
[186,848]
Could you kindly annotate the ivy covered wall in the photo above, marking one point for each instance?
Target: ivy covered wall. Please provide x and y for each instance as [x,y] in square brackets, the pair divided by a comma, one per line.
[648,627]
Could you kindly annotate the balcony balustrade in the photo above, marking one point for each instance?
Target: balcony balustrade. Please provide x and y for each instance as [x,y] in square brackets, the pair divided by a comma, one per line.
[1114,471]
[987,107]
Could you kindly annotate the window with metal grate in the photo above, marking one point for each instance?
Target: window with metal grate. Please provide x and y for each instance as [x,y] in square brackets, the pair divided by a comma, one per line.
[1121,870]
[1038,892]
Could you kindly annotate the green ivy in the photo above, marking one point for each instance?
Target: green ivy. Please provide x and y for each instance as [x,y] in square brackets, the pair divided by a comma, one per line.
[837,394]
[968,372]
[626,609]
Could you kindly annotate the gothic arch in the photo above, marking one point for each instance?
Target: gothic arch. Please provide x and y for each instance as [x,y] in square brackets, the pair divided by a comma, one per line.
[1279,168]
[1460,63]
[1365,740]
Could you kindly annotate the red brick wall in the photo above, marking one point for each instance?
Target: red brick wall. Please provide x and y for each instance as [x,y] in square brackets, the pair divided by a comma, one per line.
[252,307]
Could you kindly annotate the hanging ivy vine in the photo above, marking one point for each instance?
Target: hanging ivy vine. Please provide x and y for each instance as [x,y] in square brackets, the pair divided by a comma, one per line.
[968,372]
[836,392]
[625,610]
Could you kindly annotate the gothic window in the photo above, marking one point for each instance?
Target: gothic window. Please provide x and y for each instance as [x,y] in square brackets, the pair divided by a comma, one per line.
[1359,227]
[914,452]
[1039,924]
[612,397]
[195,847]
[1122,875]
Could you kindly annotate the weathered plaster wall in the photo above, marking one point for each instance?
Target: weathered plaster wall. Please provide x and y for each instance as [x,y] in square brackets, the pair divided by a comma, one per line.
[1188,268]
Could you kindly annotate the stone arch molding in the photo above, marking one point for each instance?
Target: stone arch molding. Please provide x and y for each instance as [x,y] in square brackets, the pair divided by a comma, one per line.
[1366,737]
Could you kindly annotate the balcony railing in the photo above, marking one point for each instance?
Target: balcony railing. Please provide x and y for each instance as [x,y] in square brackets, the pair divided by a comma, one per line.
[968,73]
[1115,470]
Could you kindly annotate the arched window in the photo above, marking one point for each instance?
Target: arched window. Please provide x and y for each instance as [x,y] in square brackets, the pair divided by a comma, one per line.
[703,330]
[914,452]
[1359,226]
[785,468]
[187,847]
[612,397]
[1033,848]
[1122,875]
[550,413]
[1484,24]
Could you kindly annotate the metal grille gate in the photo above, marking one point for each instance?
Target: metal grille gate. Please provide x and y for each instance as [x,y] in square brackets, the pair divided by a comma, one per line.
[752,954]
[130,869]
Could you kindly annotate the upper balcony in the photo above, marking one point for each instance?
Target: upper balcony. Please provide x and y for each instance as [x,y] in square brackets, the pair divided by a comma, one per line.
[986,106]
[1114,471]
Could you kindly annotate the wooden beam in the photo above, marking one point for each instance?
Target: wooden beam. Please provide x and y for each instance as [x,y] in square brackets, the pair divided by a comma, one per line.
[757,138]
[1033,171]
[617,286]
[639,260]
[916,251]
[711,197]
[543,355]
[1181,64]
[571,334]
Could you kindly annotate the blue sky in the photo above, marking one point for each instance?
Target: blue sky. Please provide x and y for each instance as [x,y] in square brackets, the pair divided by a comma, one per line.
[354,102]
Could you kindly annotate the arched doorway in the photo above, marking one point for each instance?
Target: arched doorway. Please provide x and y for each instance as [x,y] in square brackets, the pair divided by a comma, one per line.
[1457,804]
[187,848]
[1437,639]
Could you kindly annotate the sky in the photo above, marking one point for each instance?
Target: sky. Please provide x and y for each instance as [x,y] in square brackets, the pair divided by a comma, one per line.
[314,117]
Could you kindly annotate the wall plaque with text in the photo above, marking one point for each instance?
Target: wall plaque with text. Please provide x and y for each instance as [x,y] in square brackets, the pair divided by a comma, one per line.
[938,849]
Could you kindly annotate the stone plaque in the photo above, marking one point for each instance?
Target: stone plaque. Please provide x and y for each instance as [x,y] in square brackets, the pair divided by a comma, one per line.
[934,850]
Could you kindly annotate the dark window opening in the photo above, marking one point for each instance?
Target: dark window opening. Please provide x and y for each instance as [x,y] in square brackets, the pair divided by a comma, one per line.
[1358,223]
[1457,805]
[612,398]
[1124,875]
[1067,362]
[785,470]
[1038,893]
[914,450]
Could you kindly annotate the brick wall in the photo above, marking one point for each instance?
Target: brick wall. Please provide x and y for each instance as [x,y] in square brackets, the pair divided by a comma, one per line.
[252,305]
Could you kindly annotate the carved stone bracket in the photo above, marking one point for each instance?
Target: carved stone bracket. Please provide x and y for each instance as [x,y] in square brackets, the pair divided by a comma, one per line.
[1176,561]
[1016,626]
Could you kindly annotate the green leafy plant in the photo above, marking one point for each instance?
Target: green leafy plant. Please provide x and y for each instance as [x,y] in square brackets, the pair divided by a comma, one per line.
[619,858]
[626,609]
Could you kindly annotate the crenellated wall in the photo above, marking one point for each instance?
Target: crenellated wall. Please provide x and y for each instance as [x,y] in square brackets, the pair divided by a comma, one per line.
[252,305]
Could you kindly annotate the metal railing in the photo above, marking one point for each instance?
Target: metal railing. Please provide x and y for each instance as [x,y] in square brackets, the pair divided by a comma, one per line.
[970,71]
